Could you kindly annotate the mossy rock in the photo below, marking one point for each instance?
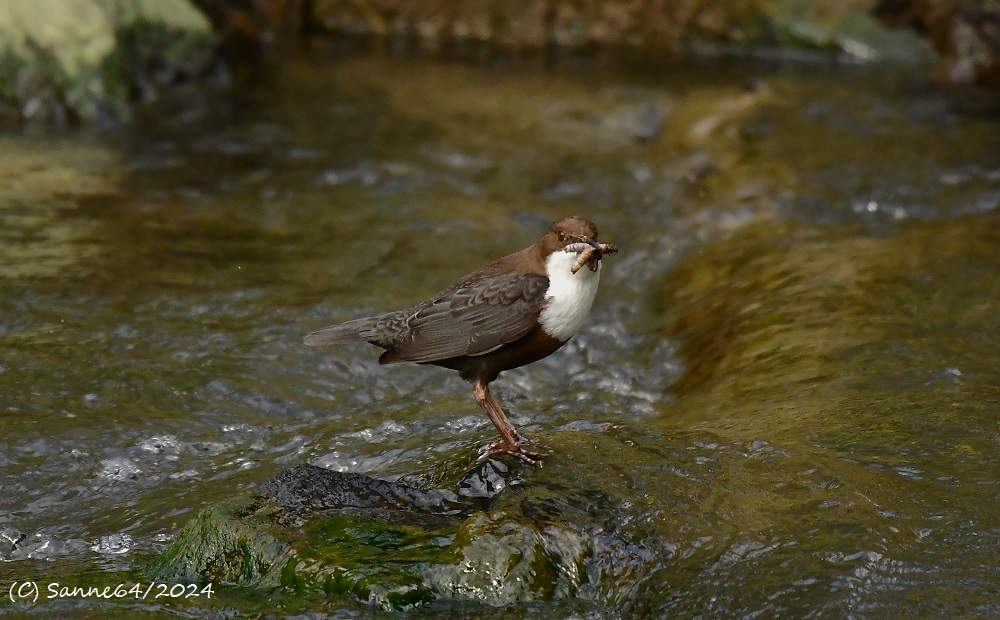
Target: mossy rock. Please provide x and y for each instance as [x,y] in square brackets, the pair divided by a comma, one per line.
[233,542]
[310,538]
[67,59]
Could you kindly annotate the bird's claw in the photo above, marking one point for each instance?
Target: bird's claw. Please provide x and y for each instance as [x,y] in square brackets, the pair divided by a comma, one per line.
[500,448]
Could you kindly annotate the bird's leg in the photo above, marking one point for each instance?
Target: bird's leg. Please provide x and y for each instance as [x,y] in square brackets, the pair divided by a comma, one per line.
[510,442]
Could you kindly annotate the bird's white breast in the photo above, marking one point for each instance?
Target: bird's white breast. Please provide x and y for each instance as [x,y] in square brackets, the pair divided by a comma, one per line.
[569,296]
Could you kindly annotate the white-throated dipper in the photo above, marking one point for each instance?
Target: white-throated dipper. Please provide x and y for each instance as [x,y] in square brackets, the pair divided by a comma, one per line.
[512,312]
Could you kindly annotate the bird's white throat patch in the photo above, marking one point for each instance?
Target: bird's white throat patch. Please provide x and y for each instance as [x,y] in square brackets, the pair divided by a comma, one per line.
[569,296]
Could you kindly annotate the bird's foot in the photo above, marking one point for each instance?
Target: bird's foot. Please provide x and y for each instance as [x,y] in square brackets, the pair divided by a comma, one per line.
[500,448]
[520,439]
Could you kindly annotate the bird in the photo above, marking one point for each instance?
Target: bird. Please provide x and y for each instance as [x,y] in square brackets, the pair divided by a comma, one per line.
[512,312]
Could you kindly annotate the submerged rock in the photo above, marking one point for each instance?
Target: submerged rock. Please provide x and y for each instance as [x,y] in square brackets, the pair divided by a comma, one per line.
[312,531]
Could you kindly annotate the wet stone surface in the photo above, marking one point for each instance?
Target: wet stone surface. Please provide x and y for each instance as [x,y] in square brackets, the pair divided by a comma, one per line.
[306,489]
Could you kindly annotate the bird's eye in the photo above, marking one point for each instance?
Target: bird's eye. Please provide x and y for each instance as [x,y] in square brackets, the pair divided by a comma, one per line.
[562,236]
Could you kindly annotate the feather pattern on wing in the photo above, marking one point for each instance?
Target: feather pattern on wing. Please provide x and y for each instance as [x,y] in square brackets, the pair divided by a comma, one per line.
[472,318]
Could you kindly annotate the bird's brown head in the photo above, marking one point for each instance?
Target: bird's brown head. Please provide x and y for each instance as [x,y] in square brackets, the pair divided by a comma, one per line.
[566,231]
[575,234]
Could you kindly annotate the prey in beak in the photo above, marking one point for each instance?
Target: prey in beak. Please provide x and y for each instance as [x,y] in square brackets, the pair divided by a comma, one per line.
[590,253]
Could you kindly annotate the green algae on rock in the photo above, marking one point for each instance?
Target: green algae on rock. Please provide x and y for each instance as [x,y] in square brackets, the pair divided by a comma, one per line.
[314,532]
[82,58]
[310,530]
[232,542]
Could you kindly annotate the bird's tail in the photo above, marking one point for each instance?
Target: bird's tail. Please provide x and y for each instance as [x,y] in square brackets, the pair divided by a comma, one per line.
[351,331]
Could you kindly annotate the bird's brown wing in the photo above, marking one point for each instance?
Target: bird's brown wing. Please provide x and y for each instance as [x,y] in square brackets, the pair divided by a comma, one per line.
[472,318]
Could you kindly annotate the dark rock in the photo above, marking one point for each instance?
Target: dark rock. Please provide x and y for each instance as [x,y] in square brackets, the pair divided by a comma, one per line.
[306,489]
[485,481]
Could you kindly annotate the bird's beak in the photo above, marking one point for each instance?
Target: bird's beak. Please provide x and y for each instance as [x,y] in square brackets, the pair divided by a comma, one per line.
[594,244]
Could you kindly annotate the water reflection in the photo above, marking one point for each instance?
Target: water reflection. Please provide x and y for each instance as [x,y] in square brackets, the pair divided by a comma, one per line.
[42,230]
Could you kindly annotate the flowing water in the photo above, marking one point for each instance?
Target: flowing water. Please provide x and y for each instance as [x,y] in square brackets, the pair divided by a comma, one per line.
[785,401]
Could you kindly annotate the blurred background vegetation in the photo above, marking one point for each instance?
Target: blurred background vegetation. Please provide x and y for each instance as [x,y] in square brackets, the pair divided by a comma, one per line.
[69,61]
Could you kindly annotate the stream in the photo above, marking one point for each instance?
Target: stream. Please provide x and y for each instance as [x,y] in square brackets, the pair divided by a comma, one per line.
[784,402]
